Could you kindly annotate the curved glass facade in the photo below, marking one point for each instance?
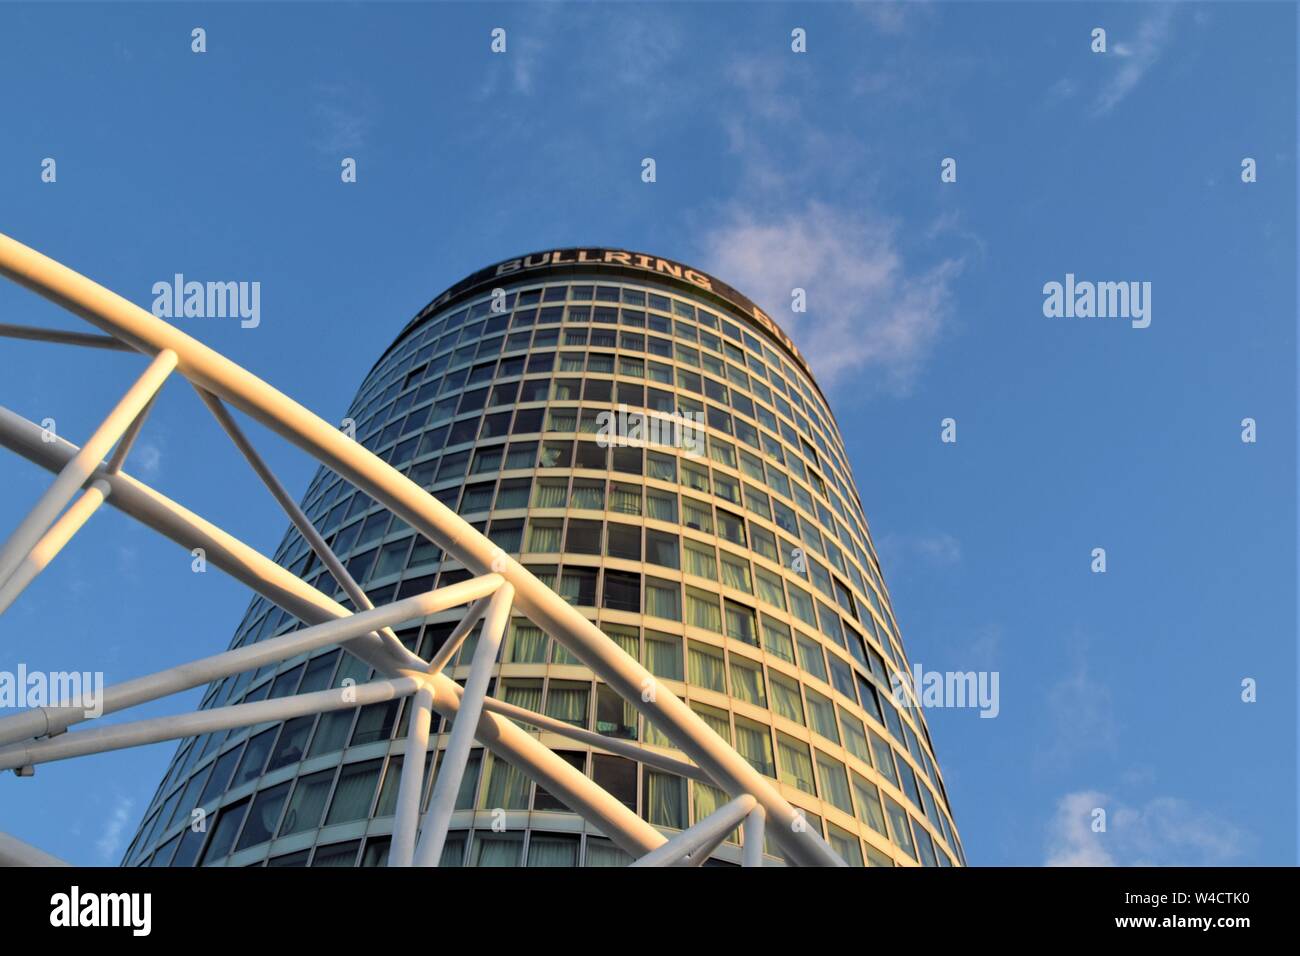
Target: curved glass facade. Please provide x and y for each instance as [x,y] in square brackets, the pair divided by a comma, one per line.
[738,568]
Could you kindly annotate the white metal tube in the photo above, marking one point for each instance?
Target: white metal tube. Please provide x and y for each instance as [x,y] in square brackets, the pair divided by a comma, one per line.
[53,541]
[41,721]
[752,851]
[447,783]
[202,365]
[14,852]
[83,465]
[258,572]
[614,745]
[701,854]
[290,507]
[140,732]
[63,338]
[128,438]
[712,828]
[406,819]
[442,657]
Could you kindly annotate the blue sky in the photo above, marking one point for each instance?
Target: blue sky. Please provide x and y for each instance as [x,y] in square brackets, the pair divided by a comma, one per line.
[774,170]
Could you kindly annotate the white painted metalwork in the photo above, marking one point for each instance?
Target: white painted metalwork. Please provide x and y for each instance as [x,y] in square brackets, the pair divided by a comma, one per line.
[38,735]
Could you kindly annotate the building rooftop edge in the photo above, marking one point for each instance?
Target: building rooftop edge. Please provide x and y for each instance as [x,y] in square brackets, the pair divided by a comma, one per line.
[618,263]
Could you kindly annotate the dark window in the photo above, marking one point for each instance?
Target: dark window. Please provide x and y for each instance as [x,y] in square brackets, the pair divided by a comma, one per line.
[617,775]
[624,541]
[583,537]
[661,548]
[622,591]
[591,455]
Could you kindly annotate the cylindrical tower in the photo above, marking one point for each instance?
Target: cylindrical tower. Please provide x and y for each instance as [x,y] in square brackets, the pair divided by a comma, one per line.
[652,445]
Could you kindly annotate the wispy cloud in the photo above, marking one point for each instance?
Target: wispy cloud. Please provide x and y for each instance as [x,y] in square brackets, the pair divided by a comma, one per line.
[146,459]
[109,843]
[935,548]
[623,48]
[1135,58]
[1162,831]
[892,17]
[342,120]
[867,314]
[802,214]
[1081,714]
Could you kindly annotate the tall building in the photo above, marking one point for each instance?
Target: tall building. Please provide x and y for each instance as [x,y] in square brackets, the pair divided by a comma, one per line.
[652,445]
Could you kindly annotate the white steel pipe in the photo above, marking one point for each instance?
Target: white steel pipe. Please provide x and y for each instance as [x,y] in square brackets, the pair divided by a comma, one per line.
[752,852]
[706,834]
[140,732]
[624,748]
[53,541]
[447,782]
[406,819]
[14,852]
[290,507]
[43,721]
[62,338]
[442,657]
[83,465]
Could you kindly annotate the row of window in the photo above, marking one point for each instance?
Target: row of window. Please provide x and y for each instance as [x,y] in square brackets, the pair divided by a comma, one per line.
[408,355]
[663,656]
[460,398]
[594,455]
[432,383]
[353,792]
[800,559]
[478,321]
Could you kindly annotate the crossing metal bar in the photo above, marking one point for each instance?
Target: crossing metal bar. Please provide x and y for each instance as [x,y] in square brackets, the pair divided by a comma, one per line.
[447,782]
[83,465]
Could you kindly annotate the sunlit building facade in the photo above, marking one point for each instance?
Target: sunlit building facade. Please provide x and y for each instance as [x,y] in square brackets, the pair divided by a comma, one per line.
[728,552]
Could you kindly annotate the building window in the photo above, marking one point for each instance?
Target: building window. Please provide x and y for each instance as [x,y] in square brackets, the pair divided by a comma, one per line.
[707,669]
[700,560]
[754,743]
[776,639]
[795,763]
[354,792]
[702,611]
[835,783]
[747,681]
[785,698]
[615,717]
[623,541]
[663,655]
[622,591]
[665,799]
[568,702]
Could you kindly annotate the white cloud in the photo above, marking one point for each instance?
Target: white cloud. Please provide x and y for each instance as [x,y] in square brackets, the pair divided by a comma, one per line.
[1071,841]
[109,843]
[1163,831]
[1135,58]
[868,316]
